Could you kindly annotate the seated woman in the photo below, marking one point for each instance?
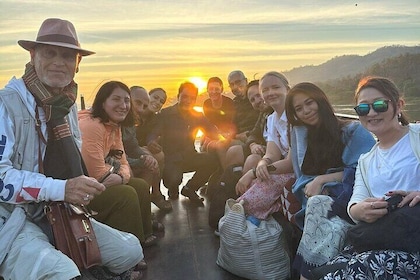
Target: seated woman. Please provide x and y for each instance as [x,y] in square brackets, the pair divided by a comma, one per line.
[391,167]
[125,204]
[323,152]
[262,197]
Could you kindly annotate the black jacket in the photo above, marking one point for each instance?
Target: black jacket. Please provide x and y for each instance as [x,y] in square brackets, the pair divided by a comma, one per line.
[245,116]
[178,133]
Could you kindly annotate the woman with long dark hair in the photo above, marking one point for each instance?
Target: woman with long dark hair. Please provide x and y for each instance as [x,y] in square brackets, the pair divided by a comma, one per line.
[324,153]
[125,204]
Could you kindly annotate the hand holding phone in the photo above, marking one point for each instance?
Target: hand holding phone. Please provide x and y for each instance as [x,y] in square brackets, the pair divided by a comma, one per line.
[106,175]
[393,202]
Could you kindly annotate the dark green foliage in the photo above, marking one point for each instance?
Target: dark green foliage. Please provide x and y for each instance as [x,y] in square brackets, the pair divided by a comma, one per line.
[404,70]
[339,76]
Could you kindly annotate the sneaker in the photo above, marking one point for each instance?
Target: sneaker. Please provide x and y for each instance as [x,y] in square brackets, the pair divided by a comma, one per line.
[192,195]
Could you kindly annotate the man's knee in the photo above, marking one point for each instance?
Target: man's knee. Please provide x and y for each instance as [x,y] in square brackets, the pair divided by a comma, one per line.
[172,178]
[46,263]
[126,255]
[120,250]
[133,255]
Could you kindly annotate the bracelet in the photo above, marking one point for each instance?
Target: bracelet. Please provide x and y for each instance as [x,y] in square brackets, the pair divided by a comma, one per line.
[254,172]
[267,160]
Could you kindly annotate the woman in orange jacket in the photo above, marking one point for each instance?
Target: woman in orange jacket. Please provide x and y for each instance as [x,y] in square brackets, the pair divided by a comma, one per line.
[125,204]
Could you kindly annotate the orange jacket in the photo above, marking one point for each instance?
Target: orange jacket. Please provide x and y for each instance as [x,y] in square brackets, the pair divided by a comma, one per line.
[97,140]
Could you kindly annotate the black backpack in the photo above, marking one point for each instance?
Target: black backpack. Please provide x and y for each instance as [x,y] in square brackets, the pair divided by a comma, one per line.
[222,191]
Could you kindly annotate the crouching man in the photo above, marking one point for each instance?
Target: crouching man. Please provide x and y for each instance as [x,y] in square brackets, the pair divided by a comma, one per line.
[40,162]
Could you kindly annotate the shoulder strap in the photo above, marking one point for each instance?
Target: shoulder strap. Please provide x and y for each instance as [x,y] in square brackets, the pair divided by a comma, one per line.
[41,138]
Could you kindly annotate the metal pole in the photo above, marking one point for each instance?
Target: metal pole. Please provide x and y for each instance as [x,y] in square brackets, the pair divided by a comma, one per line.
[82,102]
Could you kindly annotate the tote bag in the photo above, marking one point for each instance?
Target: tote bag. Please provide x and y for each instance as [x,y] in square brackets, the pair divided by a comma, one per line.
[250,251]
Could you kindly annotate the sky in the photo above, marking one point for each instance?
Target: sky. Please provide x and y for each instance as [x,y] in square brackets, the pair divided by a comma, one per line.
[164,43]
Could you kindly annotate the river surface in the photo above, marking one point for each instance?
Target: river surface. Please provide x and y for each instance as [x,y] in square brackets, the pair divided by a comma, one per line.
[412,108]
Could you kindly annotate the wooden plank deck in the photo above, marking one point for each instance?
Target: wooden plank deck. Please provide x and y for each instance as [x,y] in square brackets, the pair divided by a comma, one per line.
[188,248]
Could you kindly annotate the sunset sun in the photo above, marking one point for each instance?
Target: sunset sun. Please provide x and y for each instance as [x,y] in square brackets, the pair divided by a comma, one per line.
[200,83]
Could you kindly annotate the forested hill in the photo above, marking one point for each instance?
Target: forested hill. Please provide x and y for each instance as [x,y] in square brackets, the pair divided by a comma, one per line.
[339,76]
[347,65]
[404,70]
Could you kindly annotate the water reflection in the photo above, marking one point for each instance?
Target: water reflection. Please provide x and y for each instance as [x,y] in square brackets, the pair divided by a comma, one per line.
[412,109]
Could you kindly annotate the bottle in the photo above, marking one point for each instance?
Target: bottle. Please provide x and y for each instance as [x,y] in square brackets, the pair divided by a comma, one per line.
[253,220]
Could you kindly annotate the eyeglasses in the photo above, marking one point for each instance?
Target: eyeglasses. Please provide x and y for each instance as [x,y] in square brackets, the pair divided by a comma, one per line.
[378,106]
[236,83]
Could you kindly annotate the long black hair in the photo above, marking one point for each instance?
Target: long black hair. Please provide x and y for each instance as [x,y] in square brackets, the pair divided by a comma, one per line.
[325,146]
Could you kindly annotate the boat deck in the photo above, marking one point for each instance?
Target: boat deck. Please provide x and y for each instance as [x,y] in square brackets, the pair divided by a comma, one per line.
[188,248]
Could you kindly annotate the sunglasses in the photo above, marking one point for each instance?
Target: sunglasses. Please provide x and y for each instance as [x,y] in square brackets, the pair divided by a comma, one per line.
[378,106]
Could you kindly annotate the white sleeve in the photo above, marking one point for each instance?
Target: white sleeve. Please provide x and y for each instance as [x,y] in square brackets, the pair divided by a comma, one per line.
[22,186]
[272,132]
[360,190]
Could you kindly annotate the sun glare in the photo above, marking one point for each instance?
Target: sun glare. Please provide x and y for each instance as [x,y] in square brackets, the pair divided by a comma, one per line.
[200,83]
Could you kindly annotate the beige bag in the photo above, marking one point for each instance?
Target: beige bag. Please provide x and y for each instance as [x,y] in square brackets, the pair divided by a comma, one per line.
[250,251]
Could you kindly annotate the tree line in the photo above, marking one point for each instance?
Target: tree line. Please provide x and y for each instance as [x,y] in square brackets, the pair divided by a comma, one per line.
[404,70]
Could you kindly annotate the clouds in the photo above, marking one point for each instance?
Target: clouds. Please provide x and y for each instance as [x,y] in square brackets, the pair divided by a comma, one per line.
[161,43]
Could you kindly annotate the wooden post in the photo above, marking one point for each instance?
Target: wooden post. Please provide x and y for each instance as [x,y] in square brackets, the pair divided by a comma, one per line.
[82,102]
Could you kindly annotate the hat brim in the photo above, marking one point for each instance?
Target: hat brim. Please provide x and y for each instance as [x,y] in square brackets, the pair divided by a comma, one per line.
[30,45]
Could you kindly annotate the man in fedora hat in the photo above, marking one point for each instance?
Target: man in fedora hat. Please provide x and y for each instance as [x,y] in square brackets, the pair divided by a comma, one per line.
[40,161]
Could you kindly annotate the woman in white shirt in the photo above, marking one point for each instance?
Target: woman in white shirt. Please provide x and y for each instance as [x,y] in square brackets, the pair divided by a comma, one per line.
[391,167]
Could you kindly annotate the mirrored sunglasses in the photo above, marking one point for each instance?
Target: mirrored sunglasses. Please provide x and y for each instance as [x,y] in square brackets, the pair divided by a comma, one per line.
[378,106]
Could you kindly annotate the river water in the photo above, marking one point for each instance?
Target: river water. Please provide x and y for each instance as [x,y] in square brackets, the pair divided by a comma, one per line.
[412,108]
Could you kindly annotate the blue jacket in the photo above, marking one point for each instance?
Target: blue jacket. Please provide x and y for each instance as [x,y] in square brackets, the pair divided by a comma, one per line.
[357,141]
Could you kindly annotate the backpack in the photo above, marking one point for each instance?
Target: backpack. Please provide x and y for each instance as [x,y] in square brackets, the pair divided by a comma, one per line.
[222,191]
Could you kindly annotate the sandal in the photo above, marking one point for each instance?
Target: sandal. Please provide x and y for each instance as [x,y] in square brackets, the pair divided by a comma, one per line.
[157,226]
[136,275]
[142,265]
[160,201]
[150,241]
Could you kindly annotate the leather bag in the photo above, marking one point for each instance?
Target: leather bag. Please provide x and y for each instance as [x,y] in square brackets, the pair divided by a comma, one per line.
[73,233]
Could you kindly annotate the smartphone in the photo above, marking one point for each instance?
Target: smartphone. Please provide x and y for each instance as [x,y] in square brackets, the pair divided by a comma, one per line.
[106,175]
[393,202]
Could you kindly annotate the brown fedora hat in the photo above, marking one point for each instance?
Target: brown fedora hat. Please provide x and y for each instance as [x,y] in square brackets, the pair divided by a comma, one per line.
[56,32]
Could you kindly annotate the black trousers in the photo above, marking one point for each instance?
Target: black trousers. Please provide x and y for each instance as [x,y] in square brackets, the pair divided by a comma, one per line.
[204,165]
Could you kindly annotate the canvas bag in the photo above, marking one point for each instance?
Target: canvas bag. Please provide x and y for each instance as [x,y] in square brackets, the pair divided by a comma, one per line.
[249,251]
